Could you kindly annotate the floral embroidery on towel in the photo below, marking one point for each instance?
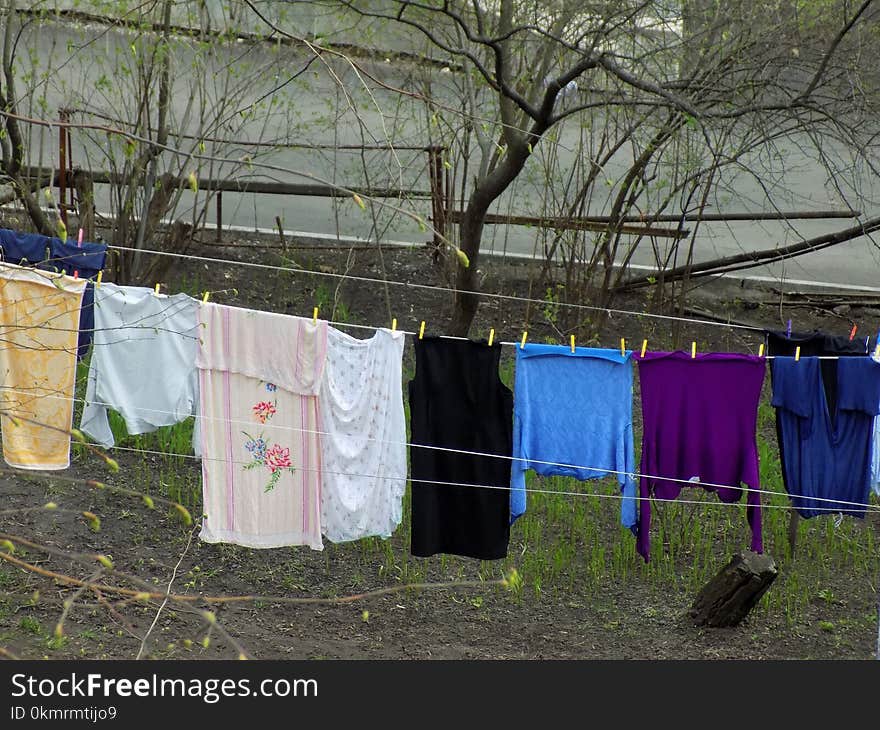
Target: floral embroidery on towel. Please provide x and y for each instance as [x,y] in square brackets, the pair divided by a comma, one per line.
[264,411]
[276,458]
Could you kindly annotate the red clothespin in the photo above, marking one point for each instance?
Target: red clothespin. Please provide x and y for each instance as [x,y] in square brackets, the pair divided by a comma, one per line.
[852,332]
[76,274]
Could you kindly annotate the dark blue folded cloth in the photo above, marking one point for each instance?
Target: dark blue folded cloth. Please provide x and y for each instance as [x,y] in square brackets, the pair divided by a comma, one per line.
[53,254]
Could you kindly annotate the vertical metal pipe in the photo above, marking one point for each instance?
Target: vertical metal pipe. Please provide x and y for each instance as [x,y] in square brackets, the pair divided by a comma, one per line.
[434,172]
[62,167]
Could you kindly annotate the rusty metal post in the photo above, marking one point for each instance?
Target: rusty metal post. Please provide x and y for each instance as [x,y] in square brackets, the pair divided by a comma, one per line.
[438,194]
[219,217]
[72,187]
[62,166]
[447,200]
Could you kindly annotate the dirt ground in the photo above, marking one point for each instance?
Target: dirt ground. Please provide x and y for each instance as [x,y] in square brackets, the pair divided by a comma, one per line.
[615,619]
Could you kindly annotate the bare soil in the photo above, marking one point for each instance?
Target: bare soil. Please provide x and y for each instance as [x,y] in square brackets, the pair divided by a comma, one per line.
[633,618]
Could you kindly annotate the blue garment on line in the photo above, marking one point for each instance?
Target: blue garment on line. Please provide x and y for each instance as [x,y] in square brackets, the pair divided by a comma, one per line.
[573,408]
[827,455]
[53,254]
[875,458]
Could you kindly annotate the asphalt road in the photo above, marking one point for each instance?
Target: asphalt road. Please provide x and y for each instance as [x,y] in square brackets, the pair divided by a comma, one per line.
[83,74]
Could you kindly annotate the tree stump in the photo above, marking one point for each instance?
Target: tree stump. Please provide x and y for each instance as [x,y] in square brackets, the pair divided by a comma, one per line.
[733,592]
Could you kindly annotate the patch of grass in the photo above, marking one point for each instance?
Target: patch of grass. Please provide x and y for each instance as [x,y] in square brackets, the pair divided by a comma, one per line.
[7,579]
[30,625]
[57,642]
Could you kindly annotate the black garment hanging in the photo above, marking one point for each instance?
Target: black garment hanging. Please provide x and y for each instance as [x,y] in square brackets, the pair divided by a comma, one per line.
[457,401]
[812,344]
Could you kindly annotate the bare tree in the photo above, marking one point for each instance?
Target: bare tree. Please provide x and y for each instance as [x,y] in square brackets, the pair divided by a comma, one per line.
[184,95]
[691,84]
[12,140]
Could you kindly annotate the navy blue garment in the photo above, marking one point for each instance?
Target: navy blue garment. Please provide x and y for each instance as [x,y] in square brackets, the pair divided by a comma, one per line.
[812,343]
[53,254]
[827,453]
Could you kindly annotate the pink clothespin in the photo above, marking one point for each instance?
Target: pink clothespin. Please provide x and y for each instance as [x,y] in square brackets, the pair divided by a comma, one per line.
[76,274]
[79,238]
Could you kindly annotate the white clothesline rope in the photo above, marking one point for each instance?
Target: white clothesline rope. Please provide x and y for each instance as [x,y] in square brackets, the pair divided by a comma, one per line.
[473,453]
[507,297]
[430,287]
[529,490]
[464,452]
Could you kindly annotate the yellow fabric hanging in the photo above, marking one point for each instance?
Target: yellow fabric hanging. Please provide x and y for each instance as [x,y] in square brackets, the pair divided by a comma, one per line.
[39,324]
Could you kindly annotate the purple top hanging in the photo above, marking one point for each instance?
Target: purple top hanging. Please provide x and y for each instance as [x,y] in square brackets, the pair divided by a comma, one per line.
[700,416]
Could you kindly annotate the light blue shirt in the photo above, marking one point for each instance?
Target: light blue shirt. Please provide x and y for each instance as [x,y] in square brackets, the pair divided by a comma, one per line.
[143,362]
[575,410]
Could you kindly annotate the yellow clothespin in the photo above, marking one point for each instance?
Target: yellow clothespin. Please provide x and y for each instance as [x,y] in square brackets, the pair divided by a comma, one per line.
[797,353]
[394,325]
[693,349]
[157,289]
[644,347]
[491,336]
[622,347]
[761,350]
[205,298]
[572,343]
[422,330]
[100,276]
[523,343]
[315,316]
[877,351]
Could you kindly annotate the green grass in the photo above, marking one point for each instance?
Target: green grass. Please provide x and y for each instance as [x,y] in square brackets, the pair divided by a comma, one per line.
[30,625]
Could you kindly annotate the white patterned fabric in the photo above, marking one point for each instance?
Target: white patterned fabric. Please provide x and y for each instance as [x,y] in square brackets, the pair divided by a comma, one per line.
[363,440]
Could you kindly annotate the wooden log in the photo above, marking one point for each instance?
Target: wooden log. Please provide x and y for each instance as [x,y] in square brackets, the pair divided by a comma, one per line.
[734,591]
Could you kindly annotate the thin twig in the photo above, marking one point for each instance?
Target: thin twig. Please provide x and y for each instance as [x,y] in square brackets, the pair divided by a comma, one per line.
[165,600]
[184,598]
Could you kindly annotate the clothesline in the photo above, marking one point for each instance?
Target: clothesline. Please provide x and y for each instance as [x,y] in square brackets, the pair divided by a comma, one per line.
[431,287]
[284,350]
[472,453]
[533,490]
[609,472]
[503,343]
[491,295]
[595,469]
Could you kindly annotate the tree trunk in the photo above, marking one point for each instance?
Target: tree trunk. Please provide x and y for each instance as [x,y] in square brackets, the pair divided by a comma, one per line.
[485,193]
[734,591]
[82,183]
[466,303]
[751,259]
